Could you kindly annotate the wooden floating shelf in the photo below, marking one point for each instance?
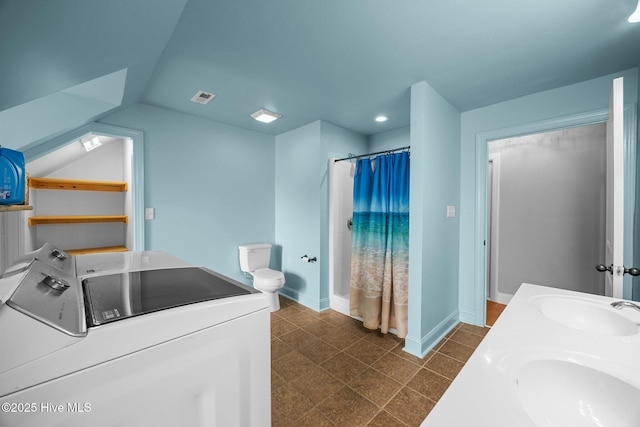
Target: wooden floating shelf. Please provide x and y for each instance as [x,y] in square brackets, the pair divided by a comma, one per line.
[76,184]
[88,251]
[13,208]
[76,219]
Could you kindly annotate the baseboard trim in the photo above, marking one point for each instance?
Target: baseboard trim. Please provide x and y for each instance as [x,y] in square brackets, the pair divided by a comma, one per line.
[294,295]
[421,347]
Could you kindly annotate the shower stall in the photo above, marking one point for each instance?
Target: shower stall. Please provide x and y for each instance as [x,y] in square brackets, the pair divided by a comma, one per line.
[340,211]
[341,205]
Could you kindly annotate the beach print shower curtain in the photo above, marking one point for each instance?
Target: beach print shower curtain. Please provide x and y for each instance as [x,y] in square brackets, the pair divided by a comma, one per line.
[380,235]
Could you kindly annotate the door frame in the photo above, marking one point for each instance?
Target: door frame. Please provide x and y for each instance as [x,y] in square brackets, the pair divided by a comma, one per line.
[482,161]
[493,231]
[35,151]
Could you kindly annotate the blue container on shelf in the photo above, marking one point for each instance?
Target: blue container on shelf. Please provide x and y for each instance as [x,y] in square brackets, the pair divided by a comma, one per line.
[12,177]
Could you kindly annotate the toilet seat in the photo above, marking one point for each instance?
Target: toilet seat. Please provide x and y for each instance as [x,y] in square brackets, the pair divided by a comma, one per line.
[268,278]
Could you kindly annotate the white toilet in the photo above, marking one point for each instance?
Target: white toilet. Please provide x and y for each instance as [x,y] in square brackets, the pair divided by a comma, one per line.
[254,259]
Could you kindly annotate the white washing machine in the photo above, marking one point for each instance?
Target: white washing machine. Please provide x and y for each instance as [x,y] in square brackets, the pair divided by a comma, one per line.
[115,262]
[48,254]
[133,346]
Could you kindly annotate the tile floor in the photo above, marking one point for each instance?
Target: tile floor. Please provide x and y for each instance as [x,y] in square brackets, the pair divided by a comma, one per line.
[327,370]
[494,310]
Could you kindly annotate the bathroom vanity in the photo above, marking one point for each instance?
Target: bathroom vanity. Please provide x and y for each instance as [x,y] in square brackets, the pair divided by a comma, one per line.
[554,358]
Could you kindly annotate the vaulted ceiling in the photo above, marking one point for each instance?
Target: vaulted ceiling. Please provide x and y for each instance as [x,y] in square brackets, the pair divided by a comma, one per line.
[343,61]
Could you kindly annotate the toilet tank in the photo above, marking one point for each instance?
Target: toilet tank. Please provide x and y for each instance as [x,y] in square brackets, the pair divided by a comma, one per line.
[254,256]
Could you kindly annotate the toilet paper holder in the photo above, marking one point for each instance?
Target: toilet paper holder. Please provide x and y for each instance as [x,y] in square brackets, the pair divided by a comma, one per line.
[305,258]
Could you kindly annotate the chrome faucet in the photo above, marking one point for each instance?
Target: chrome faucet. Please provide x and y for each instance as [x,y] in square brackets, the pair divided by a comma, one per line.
[622,304]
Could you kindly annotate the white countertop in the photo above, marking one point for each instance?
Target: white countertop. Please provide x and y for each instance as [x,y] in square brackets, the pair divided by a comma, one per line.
[551,353]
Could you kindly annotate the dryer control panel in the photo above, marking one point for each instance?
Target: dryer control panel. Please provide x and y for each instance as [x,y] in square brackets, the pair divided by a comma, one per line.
[52,297]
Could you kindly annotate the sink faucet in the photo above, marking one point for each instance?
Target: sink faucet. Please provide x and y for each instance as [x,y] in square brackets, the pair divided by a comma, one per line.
[622,304]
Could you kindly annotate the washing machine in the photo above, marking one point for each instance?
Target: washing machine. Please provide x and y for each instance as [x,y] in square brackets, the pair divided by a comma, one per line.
[132,343]
[90,265]
[48,254]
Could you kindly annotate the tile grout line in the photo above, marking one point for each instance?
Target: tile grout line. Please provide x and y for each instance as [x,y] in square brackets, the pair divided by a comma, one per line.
[380,408]
[293,326]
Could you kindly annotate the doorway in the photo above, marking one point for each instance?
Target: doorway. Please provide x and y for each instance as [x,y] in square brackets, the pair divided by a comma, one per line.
[56,151]
[480,226]
[546,211]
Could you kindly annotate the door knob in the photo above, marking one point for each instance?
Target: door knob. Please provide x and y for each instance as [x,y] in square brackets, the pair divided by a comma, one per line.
[632,271]
[602,268]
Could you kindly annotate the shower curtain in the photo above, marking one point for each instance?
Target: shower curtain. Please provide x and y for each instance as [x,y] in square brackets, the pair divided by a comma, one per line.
[380,251]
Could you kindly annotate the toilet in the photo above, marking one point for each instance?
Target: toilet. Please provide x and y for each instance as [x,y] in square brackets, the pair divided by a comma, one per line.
[254,259]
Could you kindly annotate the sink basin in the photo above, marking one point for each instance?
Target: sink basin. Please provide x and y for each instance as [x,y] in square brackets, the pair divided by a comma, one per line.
[587,316]
[563,393]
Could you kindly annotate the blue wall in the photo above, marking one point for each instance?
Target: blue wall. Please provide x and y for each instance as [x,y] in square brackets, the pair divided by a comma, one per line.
[389,140]
[212,186]
[51,46]
[566,101]
[301,187]
[297,206]
[48,116]
[433,243]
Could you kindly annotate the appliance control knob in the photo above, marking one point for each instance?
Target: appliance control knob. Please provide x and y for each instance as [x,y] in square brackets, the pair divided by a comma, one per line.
[58,254]
[55,284]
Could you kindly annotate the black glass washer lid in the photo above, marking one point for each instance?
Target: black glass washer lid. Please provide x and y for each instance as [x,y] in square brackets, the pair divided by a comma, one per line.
[119,296]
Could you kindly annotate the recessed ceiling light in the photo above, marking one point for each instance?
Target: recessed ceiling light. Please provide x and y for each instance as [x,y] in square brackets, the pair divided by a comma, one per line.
[635,16]
[202,97]
[265,116]
[381,119]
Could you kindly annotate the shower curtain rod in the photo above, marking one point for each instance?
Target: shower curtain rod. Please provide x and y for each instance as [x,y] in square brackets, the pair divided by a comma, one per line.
[351,157]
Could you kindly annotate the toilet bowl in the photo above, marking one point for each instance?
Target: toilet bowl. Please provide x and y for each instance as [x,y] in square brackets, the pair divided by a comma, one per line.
[270,282]
[254,259]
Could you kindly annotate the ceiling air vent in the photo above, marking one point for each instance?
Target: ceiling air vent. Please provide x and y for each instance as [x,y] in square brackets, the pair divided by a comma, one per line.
[202,97]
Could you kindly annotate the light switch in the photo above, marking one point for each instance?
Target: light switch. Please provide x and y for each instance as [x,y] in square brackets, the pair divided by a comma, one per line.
[149,213]
[451,211]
